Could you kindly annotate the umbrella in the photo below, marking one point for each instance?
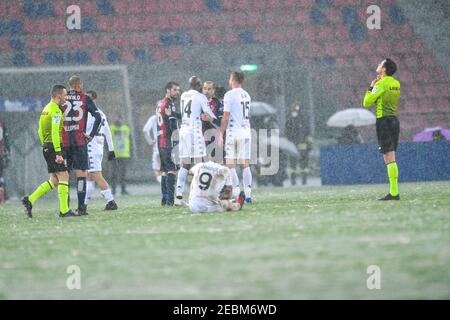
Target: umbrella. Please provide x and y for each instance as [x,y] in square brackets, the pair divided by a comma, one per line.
[285,145]
[427,134]
[261,109]
[354,116]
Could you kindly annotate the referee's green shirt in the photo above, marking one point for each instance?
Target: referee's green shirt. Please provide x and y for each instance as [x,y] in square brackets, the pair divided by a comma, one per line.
[386,94]
[50,125]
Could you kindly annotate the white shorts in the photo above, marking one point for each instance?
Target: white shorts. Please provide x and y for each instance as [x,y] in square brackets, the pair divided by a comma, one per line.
[192,143]
[238,146]
[156,161]
[201,205]
[95,154]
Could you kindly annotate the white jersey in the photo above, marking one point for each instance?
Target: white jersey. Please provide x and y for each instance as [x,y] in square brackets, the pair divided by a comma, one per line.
[151,134]
[151,130]
[102,131]
[193,103]
[237,103]
[208,181]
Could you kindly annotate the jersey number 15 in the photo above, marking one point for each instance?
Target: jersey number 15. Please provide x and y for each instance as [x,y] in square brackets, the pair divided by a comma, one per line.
[245,108]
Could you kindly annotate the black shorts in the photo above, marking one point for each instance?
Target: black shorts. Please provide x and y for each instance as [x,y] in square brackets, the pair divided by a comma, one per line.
[167,164]
[388,130]
[50,157]
[77,157]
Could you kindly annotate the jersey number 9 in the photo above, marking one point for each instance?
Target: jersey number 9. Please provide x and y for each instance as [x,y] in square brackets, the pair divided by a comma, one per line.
[205,181]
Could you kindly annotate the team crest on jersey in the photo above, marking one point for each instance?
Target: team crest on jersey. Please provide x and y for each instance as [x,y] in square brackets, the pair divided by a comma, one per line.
[374,90]
[56,119]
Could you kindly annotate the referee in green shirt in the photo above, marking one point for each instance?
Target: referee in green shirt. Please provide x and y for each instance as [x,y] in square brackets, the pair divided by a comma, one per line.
[50,127]
[385,93]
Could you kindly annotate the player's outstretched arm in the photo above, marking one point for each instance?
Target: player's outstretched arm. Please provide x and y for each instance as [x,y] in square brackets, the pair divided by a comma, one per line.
[205,107]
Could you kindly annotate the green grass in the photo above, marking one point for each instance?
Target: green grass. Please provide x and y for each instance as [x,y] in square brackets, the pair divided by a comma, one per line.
[290,244]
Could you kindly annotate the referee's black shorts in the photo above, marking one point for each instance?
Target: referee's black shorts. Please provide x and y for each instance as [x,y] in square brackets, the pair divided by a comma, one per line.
[167,164]
[50,157]
[388,130]
[77,157]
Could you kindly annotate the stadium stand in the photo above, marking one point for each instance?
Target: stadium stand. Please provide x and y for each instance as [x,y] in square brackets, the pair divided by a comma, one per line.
[323,34]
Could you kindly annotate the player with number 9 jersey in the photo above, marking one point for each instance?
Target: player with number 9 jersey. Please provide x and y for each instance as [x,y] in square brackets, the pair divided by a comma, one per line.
[209,180]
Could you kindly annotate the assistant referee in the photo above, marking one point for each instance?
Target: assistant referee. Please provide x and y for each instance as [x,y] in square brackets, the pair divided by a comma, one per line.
[385,92]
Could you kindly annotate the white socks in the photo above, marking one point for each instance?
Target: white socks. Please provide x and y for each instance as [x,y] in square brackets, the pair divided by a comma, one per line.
[235,182]
[247,179]
[90,188]
[107,194]
[181,181]
[234,178]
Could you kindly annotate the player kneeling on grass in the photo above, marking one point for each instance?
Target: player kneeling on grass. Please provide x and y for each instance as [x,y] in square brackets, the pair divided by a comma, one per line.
[95,153]
[211,189]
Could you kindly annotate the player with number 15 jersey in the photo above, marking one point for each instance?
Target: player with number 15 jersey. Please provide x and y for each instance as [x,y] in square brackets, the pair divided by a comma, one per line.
[238,133]
[236,124]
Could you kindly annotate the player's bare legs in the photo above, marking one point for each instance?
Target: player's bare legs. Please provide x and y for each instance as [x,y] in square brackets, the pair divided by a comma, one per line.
[97,178]
[186,164]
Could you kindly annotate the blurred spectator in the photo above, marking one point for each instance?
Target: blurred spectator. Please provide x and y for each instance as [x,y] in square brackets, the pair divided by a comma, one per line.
[4,157]
[350,135]
[121,139]
[438,136]
[298,131]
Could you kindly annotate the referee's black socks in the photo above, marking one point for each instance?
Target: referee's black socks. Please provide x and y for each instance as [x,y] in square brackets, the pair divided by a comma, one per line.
[81,190]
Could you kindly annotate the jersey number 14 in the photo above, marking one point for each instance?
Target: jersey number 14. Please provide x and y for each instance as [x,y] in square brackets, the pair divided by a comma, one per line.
[186,109]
